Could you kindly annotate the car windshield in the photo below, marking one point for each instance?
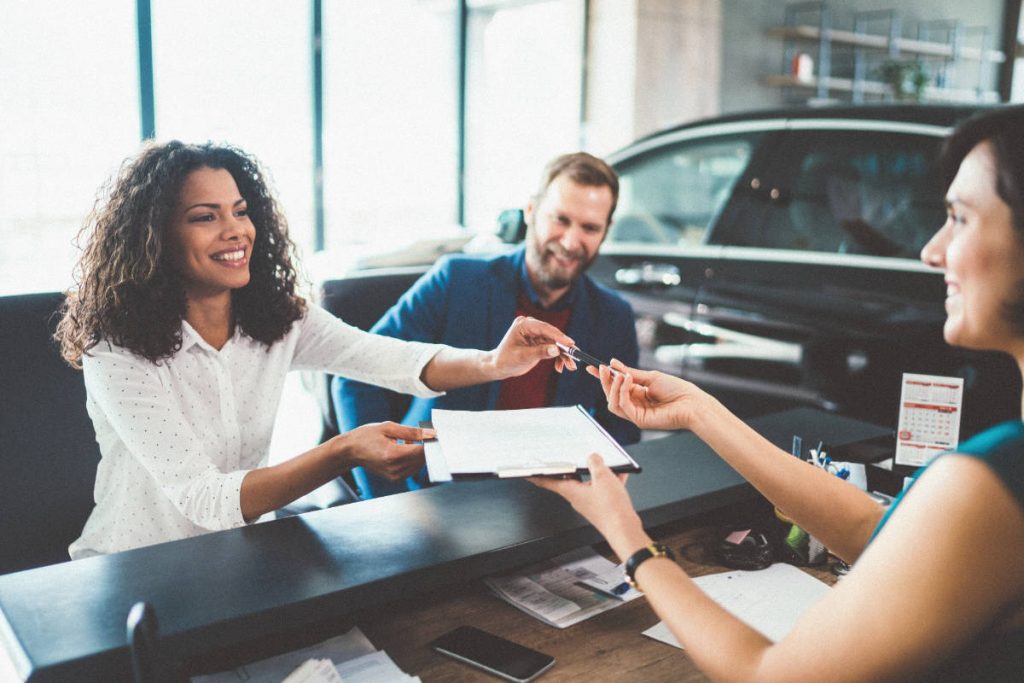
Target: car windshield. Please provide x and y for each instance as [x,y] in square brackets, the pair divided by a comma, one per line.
[673,195]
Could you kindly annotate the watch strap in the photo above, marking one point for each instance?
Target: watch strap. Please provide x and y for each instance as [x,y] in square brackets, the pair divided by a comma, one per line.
[641,556]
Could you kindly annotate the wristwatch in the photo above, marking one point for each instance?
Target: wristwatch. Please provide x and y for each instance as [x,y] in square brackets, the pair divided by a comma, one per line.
[641,556]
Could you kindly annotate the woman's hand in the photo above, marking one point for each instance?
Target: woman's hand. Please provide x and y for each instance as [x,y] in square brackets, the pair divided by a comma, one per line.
[650,399]
[375,446]
[605,503]
[527,342]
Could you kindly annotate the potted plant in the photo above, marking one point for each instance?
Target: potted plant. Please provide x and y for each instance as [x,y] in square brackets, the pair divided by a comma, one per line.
[906,78]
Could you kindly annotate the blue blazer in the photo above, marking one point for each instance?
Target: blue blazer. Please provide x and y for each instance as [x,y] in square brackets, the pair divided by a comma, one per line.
[470,302]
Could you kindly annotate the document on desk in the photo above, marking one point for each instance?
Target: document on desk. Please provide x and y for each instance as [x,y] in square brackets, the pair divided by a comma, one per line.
[315,671]
[770,600]
[519,443]
[352,657]
[553,591]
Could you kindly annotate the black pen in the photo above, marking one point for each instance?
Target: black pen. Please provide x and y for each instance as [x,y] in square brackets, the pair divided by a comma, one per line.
[580,356]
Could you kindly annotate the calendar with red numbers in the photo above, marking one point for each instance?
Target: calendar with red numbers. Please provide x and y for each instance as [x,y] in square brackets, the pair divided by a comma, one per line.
[929,418]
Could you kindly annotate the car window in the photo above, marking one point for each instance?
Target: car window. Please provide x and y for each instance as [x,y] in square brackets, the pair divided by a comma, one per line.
[672,196]
[859,192]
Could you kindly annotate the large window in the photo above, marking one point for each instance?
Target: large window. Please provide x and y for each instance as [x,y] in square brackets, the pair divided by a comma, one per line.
[524,66]
[69,107]
[396,163]
[390,124]
[238,71]
[1017,86]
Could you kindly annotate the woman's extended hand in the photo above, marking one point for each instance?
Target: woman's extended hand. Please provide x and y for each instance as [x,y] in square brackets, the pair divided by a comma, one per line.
[375,446]
[650,399]
[527,342]
[605,503]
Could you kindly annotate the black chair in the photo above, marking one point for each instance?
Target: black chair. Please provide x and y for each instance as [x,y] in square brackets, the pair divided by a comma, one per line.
[48,451]
[360,300]
[149,663]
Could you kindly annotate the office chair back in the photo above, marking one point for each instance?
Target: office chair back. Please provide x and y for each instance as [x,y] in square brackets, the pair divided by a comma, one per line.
[360,300]
[48,451]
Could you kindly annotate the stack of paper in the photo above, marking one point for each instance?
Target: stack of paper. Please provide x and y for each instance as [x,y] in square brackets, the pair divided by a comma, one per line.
[350,658]
[315,671]
[771,600]
[553,591]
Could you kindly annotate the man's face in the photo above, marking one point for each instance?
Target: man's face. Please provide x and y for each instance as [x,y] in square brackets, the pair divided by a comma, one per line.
[565,229]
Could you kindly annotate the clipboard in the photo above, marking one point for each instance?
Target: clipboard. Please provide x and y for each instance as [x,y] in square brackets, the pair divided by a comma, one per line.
[509,444]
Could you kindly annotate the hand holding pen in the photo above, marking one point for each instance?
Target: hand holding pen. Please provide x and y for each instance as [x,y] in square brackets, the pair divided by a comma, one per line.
[527,342]
[651,399]
[571,355]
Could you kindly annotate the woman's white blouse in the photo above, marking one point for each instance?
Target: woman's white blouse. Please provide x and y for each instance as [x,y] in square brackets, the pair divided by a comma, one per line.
[177,437]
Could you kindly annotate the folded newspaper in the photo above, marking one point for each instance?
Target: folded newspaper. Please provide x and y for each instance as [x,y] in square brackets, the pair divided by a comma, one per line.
[566,589]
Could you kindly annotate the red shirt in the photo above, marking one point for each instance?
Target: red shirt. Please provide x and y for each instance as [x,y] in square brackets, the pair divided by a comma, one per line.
[536,388]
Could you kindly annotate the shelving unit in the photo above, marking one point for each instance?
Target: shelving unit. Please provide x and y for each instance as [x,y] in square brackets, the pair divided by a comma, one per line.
[909,46]
[810,25]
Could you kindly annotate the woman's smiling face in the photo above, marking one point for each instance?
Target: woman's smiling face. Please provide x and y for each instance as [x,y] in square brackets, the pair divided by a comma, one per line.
[982,256]
[212,235]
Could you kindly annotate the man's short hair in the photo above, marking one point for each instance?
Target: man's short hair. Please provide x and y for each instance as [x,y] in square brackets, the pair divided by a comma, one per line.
[583,169]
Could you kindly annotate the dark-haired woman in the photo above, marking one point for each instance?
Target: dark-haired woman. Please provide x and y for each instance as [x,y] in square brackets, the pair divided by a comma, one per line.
[185,322]
[937,591]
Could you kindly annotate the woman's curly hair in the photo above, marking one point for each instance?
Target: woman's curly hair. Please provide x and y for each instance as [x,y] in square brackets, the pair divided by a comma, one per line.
[128,291]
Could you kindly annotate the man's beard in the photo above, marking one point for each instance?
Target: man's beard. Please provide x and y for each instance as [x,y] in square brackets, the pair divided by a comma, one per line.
[553,277]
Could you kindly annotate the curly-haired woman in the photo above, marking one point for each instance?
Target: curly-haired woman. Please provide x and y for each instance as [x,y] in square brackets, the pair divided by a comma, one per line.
[185,322]
[937,591]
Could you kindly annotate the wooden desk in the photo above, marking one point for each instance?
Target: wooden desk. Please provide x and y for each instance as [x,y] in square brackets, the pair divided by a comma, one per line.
[608,647]
[221,591]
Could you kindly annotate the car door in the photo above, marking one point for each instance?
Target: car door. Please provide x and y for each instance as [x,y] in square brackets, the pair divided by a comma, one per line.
[673,188]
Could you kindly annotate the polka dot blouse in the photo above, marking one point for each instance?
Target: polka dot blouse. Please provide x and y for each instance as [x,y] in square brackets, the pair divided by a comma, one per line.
[177,437]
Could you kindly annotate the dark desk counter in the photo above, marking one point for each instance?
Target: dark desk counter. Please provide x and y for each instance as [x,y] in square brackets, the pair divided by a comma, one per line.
[66,622]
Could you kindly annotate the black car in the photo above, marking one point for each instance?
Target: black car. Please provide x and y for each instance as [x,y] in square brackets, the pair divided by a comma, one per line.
[772,258]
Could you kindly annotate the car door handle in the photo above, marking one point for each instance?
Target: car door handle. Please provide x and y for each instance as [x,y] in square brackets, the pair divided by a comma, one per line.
[649,275]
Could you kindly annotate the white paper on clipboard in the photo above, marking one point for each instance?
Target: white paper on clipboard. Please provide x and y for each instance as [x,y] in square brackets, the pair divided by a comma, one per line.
[518,443]
[437,468]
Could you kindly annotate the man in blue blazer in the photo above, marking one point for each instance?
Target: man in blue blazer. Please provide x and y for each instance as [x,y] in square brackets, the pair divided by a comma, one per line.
[470,302]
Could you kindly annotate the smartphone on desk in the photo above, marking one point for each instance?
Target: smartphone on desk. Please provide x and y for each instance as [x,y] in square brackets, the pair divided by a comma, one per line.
[493,654]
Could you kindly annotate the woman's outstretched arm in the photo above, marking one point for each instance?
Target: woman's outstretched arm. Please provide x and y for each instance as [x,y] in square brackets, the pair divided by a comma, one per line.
[839,515]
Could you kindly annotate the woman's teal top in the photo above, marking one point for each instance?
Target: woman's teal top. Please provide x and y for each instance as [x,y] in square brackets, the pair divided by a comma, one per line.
[992,657]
